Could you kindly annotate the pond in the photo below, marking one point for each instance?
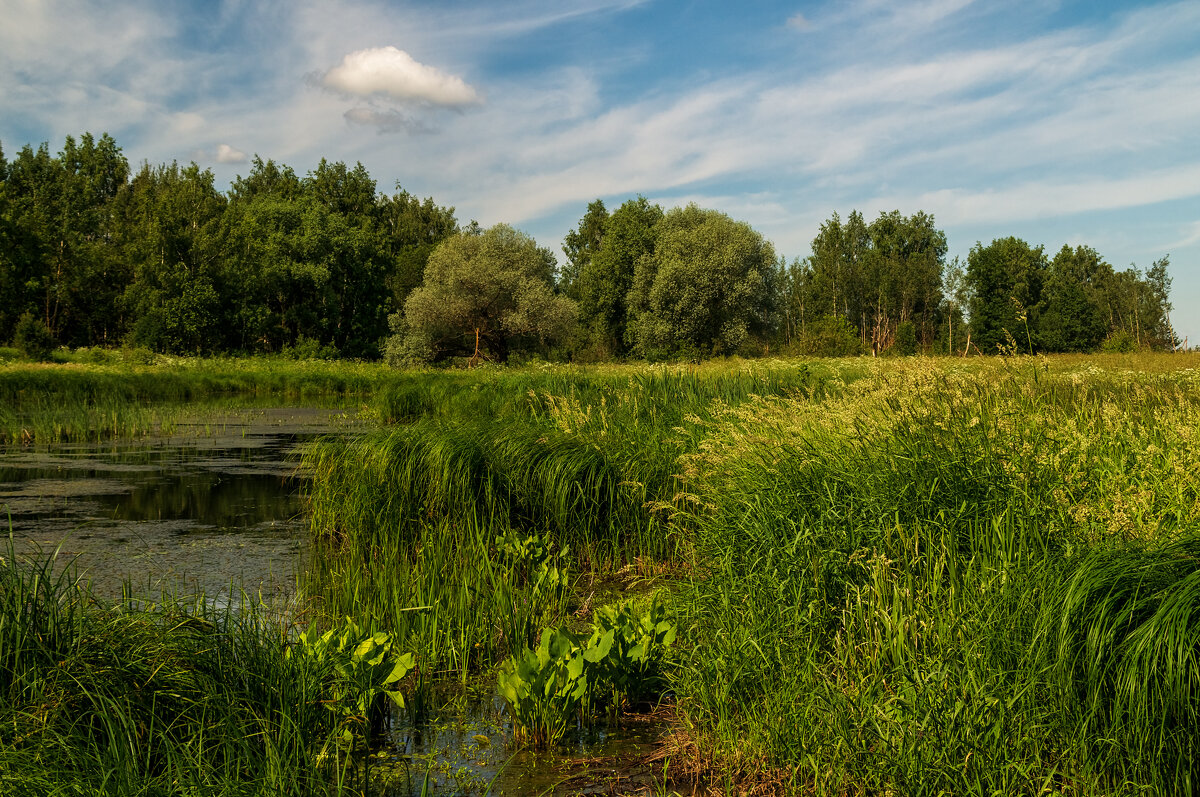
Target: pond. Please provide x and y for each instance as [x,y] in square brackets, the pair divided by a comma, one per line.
[214,508]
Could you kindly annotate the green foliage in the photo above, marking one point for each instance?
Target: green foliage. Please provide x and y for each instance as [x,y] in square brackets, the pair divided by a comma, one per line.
[545,686]
[540,579]
[484,294]
[829,336]
[606,276]
[1006,277]
[898,594]
[581,246]
[32,338]
[707,288]
[309,349]
[566,673]
[145,697]
[1119,341]
[636,641]
[906,339]
[875,276]
[365,669]
[133,392]
[1120,640]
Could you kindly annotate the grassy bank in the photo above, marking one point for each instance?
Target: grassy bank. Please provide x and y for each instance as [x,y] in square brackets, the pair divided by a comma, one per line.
[907,576]
[967,579]
[53,402]
[178,697]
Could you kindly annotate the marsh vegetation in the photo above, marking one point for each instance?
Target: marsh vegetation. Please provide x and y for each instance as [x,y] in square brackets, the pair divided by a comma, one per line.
[910,576]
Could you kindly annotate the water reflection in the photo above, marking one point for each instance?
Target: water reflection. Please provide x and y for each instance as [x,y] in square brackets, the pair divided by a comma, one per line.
[215,508]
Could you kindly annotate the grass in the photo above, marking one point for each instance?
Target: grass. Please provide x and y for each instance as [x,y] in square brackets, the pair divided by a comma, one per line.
[55,402]
[912,576]
[874,559]
[171,698]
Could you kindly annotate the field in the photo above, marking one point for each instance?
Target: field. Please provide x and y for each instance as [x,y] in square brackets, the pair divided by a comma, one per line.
[893,576]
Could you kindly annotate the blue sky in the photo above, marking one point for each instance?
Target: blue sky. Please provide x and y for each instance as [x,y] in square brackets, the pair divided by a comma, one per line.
[1059,122]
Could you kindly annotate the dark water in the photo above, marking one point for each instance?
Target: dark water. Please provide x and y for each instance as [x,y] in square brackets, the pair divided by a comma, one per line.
[215,508]
[460,747]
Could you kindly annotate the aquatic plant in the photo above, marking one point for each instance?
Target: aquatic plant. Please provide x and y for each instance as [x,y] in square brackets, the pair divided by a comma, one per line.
[633,668]
[545,686]
[365,669]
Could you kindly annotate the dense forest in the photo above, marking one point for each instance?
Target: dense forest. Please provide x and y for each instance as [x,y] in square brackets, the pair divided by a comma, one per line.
[93,254]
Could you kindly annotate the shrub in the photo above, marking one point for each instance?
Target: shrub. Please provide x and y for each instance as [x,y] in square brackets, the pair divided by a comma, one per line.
[1119,341]
[33,338]
[830,336]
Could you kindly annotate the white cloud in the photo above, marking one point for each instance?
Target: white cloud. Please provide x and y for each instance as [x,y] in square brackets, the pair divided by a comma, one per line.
[394,73]
[1191,236]
[1048,198]
[228,154]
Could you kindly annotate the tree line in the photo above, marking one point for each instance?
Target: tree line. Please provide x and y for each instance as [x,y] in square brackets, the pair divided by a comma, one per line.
[92,254]
[101,256]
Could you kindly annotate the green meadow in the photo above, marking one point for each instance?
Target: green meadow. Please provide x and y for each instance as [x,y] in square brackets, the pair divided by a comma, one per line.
[865,576]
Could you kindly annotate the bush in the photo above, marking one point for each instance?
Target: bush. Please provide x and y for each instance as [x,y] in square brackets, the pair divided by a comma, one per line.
[906,339]
[33,338]
[830,336]
[310,349]
[1119,341]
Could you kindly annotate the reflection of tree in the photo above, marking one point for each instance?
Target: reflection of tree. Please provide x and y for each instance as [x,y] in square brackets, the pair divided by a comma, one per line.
[211,499]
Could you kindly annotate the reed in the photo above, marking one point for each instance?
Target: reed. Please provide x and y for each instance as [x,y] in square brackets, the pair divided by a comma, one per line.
[54,402]
[170,698]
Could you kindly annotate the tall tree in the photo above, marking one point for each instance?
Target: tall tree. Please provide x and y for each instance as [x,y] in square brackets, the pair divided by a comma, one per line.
[581,245]
[606,276]
[482,295]
[708,288]
[411,229]
[62,203]
[837,284]
[1069,317]
[904,275]
[1005,279]
[171,238]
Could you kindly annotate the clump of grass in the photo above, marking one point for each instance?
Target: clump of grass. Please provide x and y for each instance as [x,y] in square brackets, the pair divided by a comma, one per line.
[1119,641]
[166,698]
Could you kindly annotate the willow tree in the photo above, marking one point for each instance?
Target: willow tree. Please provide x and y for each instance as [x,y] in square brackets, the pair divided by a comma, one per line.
[483,293]
[708,288]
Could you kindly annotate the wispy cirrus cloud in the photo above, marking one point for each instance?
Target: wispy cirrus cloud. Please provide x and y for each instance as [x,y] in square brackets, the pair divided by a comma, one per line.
[981,111]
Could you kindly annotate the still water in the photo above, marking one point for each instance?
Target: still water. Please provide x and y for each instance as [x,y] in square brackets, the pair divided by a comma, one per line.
[213,508]
[216,509]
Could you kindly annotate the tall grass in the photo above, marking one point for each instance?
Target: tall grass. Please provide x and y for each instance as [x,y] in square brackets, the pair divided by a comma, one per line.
[50,403]
[900,589]
[584,458]
[173,698]
[880,554]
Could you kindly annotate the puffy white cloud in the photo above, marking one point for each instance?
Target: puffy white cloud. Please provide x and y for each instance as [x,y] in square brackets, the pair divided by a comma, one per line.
[394,73]
[228,154]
